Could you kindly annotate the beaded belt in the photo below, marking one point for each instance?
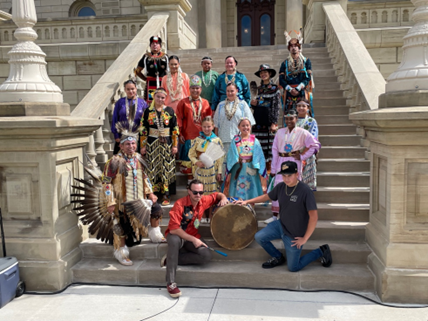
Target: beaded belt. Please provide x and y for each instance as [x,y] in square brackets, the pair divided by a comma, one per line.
[159,132]
[285,154]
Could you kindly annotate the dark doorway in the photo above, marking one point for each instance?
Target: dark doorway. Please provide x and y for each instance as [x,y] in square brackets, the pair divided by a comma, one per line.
[256,22]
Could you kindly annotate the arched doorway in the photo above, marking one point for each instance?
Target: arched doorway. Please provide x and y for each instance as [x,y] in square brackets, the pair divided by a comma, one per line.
[256,22]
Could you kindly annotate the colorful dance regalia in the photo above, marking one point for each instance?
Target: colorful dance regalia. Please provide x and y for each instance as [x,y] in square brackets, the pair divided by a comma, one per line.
[219,94]
[206,175]
[177,88]
[159,134]
[208,84]
[245,163]
[266,113]
[285,143]
[190,114]
[309,174]
[155,67]
[124,110]
[295,74]
[228,128]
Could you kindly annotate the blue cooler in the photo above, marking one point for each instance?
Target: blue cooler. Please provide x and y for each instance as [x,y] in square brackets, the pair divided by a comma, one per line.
[9,279]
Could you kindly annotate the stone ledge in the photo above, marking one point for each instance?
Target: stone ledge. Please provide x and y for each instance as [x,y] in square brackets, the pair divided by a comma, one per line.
[34,109]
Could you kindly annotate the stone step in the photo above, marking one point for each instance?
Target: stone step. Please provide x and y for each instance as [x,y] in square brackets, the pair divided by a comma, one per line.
[342,129]
[341,151]
[344,179]
[349,277]
[343,165]
[332,119]
[331,110]
[355,195]
[333,85]
[238,50]
[328,102]
[348,212]
[343,253]
[339,140]
[335,93]
[326,231]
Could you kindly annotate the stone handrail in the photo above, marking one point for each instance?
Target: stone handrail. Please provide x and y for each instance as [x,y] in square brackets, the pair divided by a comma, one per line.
[93,105]
[359,76]
[79,30]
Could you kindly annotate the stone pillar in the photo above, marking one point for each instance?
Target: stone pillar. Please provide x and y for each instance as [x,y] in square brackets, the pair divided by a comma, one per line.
[213,23]
[294,15]
[180,35]
[314,30]
[28,79]
[398,135]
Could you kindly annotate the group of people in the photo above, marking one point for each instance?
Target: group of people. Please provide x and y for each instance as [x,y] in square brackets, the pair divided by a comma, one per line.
[183,118]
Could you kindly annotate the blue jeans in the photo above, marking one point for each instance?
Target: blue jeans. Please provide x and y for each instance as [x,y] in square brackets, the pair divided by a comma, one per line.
[273,231]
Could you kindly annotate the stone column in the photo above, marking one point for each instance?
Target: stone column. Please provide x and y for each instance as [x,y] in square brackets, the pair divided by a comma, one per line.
[180,35]
[294,15]
[28,79]
[398,136]
[314,30]
[213,23]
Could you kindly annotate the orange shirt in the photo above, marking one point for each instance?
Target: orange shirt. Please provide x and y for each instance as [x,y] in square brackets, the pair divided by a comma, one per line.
[183,215]
[189,128]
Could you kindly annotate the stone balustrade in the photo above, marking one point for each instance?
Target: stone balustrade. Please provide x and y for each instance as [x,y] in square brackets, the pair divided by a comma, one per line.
[372,14]
[99,101]
[359,76]
[81,30]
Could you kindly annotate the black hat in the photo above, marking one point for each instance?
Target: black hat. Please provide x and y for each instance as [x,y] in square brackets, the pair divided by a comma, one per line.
[267,68]
[288,168]
[156,39]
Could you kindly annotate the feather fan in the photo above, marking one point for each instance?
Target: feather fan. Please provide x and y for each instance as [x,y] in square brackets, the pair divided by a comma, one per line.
[253,90]
[213,152]
[141,209]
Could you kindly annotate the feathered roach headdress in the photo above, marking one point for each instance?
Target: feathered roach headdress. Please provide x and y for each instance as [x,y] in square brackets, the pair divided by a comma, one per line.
[128,129]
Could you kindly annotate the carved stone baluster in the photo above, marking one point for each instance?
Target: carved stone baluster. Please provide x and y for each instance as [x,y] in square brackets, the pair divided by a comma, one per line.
[108,138]
[101,156]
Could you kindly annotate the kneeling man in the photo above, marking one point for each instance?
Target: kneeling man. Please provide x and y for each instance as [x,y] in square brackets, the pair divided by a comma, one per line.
[298,219]
[185,246]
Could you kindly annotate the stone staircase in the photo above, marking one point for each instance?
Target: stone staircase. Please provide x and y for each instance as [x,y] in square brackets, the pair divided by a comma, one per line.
[342,196]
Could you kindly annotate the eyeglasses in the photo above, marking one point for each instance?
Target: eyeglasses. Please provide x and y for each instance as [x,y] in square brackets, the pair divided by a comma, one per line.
[196,192]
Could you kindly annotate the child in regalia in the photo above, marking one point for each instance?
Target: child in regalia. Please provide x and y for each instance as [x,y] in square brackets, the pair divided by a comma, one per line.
[245,165]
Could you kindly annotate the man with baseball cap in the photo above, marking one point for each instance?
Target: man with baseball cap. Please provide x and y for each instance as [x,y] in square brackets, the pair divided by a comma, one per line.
[298,219]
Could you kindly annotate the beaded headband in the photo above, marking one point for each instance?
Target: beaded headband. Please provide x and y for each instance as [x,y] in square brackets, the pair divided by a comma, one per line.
[303,103]
[290,115]
[160,90]
[207,58]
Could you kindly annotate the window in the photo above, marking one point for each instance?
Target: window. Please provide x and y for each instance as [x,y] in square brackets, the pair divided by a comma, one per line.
[246,31]
[82,8]
[86,12]
[265,30]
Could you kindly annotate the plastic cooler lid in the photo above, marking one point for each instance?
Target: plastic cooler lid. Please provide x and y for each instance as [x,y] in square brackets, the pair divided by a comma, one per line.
[7,262]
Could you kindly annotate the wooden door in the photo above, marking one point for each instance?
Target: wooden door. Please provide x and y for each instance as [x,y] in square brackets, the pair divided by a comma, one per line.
[256,22]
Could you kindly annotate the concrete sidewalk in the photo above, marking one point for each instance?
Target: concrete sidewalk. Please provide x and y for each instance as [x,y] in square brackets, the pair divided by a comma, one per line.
[105,303]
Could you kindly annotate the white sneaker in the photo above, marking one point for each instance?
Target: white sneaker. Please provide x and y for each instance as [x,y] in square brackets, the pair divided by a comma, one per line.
[122,255]
[204,220]
[270,220]
[156,235]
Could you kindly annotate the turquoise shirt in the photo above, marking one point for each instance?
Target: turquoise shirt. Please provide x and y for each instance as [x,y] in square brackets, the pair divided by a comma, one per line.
[208,89]
[220,89]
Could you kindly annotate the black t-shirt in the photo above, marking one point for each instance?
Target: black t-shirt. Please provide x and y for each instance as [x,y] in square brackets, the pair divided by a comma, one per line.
[293,209]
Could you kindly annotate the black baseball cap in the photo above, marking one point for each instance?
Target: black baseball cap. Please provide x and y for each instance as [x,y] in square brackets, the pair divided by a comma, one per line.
[288,168]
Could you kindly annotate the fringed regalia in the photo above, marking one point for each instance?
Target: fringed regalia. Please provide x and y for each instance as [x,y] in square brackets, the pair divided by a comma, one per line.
[123,180]
[245,163]
[206,175]
[159,134]
[155,67]
[284,144]
[309,174]
[266,113]
[295,73]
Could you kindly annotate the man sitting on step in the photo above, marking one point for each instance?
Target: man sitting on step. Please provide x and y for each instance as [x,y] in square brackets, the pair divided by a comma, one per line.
[298,219]
[185,246]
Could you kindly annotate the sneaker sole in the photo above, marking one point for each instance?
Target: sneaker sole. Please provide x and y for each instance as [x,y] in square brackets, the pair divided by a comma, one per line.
[175,295]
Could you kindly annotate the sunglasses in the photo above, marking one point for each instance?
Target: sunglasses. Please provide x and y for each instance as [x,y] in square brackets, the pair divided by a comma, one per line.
[196,192]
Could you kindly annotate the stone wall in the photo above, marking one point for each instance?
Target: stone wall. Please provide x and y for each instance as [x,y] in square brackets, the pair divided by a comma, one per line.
[75,68]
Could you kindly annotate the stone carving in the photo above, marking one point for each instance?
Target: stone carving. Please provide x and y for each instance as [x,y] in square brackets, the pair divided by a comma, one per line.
[28,80]
[412,74]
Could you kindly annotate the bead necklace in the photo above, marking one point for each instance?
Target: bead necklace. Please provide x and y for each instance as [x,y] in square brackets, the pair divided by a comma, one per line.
[170,86]
[130,159]
[226,79]
[159,124]
[230,112]
[203,78]
[292,190]
[288,148]
[196,116]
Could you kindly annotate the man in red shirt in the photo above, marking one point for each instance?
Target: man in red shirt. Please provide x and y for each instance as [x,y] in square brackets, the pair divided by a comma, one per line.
[191,111]
[185,246]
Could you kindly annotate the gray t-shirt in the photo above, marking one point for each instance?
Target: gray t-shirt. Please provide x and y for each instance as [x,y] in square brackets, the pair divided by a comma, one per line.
[293,209]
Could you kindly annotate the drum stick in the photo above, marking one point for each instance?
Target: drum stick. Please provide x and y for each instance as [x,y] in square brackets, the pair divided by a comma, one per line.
[219,252]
